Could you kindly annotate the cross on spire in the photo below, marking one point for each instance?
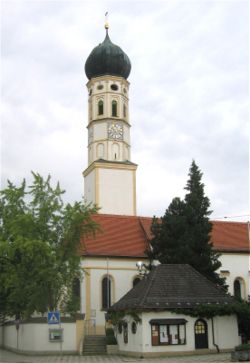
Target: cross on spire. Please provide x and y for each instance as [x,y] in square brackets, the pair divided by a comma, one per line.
[106,22]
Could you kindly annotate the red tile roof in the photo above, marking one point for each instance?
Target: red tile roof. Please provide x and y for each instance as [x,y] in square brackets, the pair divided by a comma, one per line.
[128,236]
[230,236]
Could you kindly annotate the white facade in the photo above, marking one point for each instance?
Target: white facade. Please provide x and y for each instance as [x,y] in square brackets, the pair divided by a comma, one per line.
[111,183]
[224,334]
[122,273]
[34,338]
[236,266]
[112,187]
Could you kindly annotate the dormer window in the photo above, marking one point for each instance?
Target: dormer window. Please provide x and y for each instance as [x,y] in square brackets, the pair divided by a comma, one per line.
[100,107]
[114,108]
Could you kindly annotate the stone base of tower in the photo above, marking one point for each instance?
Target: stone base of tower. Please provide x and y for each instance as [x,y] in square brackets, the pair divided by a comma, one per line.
[111,186]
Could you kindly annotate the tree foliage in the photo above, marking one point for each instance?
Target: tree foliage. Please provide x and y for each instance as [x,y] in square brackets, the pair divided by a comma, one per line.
[183,234]
[39,246]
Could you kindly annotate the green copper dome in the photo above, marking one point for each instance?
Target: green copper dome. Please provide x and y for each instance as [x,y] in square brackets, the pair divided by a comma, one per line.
[107,58]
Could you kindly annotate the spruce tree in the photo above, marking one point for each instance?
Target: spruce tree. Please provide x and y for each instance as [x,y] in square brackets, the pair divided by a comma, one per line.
[183,234]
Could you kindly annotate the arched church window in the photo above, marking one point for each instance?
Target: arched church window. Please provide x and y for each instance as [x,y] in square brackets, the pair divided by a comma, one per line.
[106,292]
[114,108]
[237,289]
[100,107]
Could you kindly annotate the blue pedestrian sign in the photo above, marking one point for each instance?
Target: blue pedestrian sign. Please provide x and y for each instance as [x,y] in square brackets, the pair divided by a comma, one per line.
[53,317]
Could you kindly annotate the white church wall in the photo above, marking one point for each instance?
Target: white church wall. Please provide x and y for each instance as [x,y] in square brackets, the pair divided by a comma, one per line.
[117,191]
[122,272]
[89,191]
[126,134]
[236,265]
[100,131]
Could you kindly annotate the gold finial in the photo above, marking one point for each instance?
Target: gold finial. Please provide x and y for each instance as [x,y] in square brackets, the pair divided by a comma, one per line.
[106,22]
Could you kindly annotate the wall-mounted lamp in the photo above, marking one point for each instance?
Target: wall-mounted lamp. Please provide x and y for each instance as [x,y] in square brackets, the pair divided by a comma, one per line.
[141,268]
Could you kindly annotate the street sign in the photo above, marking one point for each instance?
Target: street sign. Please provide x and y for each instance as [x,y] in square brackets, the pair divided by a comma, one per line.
[53,317]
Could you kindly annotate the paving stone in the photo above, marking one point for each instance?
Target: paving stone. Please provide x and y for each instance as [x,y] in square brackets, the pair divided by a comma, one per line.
[9,357]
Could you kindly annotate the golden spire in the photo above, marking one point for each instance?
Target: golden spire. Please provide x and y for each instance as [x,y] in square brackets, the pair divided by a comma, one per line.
[106,26]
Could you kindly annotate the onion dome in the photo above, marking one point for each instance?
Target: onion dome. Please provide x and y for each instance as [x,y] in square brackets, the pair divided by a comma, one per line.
[107,58]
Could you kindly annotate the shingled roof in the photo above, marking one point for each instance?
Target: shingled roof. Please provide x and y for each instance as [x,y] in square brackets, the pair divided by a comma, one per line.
[128,236]
[172,286]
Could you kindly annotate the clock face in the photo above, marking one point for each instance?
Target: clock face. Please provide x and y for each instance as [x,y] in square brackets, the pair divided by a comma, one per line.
[115,131]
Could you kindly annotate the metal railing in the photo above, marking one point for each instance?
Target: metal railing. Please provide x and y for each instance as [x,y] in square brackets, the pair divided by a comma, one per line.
[90,327]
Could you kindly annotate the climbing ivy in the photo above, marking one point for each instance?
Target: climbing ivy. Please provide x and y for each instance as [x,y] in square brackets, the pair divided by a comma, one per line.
[212,310]
[117,317]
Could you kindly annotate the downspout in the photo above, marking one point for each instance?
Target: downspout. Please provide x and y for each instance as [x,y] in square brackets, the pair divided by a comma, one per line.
[216,345]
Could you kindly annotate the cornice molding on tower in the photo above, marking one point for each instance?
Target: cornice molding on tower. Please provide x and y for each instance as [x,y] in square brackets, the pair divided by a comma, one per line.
[105,164]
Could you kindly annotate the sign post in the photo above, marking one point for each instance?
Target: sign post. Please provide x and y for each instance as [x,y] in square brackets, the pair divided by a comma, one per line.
[54,317]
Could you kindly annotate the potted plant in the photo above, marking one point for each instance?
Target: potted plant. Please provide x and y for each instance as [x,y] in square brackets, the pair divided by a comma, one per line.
[241,353]
[111,342]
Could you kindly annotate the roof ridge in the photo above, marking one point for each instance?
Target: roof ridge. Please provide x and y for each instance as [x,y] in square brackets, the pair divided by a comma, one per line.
[116,215]
[149,217]
[148,288]
[143,229]
[229,222]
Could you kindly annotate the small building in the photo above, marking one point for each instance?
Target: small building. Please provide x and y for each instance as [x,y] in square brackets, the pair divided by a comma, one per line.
[163,300]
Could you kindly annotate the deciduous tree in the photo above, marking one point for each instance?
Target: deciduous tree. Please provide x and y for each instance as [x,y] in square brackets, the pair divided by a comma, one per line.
[39,246]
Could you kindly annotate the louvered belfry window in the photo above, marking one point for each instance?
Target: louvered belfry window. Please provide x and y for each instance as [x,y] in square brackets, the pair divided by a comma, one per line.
[100,107]
[114,108]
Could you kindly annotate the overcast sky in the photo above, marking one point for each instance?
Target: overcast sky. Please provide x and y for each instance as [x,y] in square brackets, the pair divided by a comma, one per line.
[188,95]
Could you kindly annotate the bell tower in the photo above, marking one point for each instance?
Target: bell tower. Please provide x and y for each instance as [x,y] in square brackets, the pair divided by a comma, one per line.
[110,178]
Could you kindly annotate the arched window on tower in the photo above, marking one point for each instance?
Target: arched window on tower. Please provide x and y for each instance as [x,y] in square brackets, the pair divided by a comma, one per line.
[100,107]
[106,292]
[114,108]
[124,111]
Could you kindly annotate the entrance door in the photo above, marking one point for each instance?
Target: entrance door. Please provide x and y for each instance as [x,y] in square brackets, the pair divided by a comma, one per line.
[200,332]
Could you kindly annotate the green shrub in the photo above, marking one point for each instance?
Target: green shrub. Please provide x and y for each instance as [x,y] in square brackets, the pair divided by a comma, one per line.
[110,332]
[243,347]
[111,340]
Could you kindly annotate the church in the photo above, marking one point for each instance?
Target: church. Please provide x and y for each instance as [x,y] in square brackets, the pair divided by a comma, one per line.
[113,260]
